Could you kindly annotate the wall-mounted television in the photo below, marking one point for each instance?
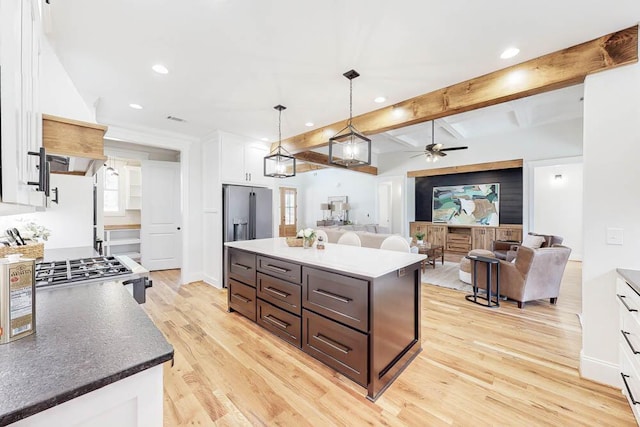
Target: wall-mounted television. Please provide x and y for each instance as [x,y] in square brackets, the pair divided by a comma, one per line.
[473,204]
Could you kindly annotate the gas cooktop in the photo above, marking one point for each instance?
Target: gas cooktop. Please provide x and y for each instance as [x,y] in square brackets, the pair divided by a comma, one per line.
[78,270]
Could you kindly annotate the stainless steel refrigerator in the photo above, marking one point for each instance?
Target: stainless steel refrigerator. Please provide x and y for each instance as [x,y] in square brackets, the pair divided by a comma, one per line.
[247,214]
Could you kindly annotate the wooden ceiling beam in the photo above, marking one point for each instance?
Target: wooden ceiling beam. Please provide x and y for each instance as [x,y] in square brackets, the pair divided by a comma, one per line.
[323,159]
[308,167]
[506,164]
[556,70]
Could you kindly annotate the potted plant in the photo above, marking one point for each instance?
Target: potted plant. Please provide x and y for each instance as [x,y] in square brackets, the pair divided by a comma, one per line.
[419,237]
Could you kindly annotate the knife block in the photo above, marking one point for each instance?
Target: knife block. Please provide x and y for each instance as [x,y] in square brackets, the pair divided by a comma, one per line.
[30,250]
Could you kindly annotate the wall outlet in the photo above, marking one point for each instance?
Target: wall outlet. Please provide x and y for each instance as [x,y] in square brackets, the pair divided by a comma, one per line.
[614,236]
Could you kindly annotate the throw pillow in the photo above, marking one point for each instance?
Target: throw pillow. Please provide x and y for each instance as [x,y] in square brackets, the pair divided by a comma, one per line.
[533,242]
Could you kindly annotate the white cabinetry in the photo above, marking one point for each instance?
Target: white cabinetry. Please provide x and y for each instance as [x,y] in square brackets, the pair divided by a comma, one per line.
[629,341]
[131,402]
[122,240]
[20,32]
[242,160]
[133,187]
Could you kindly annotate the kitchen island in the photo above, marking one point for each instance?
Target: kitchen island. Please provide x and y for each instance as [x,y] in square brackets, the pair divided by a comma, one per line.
[95,359]
[355,309]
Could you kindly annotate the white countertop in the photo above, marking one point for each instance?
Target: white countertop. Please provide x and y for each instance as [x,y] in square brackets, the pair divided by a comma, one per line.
[366,262]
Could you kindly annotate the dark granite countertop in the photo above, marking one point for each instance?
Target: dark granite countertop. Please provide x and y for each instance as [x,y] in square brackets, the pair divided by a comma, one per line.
[632,277]
[87,336]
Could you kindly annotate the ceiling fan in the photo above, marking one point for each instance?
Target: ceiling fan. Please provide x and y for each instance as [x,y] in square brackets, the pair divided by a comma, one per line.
[434,151]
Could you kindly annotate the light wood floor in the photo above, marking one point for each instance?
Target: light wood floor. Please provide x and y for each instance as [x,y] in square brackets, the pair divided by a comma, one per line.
[478,367]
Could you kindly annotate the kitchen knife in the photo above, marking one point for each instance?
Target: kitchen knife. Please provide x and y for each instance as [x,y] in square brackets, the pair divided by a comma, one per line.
[18,237]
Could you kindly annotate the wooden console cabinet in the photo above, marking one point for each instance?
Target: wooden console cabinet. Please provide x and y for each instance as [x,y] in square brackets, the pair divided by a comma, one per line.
[463,238]
[366,328]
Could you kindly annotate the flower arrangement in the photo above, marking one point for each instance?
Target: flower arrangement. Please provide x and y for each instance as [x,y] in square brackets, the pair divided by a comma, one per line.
[308,235]
[29,229]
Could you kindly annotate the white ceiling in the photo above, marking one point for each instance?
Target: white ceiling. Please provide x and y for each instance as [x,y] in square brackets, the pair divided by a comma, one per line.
[231,61]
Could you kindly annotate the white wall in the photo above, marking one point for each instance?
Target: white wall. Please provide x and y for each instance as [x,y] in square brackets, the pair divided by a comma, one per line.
[70,221]
[58,94]
[316,187]
[611,178]
[558,204]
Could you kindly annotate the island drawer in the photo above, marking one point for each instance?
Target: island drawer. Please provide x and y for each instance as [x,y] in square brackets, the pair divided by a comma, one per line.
[242,266]
[336,345]
[337,297]
[242,298]
[279,293]
[281,269]
[279,322]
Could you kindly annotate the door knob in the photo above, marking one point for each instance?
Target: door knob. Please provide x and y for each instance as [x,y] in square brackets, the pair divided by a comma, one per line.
[178,228]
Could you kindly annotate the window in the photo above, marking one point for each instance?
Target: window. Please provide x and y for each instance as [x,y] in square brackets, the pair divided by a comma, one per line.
[288,206]
[113,189]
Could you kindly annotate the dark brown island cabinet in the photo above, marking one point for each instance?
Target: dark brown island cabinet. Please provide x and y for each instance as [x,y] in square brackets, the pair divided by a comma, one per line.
[366,327]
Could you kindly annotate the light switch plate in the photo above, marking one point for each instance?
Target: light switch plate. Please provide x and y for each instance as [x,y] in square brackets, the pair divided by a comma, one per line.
[614,236]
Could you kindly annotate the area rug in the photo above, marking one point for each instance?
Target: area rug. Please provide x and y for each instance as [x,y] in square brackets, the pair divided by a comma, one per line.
[445,276]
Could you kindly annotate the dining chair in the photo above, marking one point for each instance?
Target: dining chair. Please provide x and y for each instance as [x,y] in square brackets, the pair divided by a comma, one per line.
[349,238]
[396,243]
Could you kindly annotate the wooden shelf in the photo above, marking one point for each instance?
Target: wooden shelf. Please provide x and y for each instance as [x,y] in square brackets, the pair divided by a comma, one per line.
[122,240]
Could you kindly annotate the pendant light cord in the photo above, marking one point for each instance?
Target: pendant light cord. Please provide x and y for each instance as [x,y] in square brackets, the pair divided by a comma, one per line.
[279,129]
[350,101]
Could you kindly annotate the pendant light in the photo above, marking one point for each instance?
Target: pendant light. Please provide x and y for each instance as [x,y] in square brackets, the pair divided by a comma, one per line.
[279,163]
[349,148]
[110,169]
[432,158]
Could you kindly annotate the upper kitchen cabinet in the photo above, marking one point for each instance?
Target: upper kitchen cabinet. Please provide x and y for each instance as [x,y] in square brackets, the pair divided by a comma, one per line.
[242,161]
[23,174]
[73,146]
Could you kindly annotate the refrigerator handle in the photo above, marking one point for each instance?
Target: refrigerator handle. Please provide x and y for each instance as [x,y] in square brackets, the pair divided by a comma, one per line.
[252,215]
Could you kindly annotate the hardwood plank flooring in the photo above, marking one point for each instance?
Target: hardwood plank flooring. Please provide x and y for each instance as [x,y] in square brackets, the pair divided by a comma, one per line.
[478,366]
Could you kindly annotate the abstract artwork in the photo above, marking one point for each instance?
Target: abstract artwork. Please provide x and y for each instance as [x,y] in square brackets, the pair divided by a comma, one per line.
[475,204]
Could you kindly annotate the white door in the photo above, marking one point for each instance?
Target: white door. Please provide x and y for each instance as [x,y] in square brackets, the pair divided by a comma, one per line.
[161,238]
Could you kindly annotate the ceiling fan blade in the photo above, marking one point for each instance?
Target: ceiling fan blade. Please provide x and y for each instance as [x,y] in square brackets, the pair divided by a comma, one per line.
[439,153]
[429,147]
[454,148]
[417,155]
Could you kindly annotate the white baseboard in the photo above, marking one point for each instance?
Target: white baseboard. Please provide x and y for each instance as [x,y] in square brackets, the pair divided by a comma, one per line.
[600,371]
[209,280]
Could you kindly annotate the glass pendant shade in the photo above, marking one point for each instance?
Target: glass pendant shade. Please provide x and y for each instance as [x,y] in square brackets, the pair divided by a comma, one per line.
[279,163]
[349,148]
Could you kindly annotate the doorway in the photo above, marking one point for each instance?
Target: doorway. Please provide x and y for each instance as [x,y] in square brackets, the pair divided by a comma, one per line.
[121,205]
[288,212]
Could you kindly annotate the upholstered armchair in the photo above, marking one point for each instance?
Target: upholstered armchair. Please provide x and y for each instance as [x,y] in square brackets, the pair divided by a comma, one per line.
[507,250]
[535,274]
[501,248]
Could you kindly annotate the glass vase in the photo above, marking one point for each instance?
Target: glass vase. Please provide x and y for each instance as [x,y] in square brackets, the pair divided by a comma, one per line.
[307,243]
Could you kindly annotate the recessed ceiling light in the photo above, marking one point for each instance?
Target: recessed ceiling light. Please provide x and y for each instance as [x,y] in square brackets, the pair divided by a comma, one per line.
[160,69]
[265,139]
[380,99]
[308,124]
[510,52]
[136,106]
